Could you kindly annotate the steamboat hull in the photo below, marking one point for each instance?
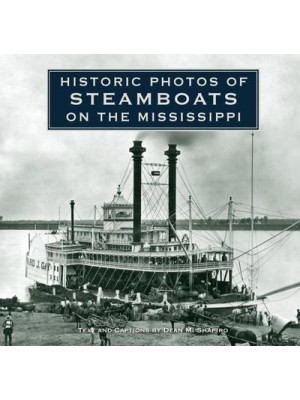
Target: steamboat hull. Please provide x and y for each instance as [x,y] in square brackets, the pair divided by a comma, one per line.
[44,294]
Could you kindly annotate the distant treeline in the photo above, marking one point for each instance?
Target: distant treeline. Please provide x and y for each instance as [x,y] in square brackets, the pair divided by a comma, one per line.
[29,225]
[264,223]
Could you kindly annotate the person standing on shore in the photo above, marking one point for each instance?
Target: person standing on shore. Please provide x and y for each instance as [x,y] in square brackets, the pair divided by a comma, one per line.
[165,312]
[92,334]
[103,339]
[8,330]
[260,318]
[268,318]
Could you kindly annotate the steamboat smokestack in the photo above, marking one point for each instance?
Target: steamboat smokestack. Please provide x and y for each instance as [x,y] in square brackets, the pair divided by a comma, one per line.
[137,150]
[72,204]
[172,154]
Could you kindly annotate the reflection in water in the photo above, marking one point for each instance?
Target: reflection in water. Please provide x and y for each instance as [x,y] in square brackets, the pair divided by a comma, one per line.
[279,267]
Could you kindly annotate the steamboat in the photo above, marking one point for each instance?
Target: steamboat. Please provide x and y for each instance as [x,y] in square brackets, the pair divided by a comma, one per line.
[125,259]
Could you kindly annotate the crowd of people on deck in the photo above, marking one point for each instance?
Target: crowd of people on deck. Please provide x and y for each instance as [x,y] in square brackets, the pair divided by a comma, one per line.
[244,290]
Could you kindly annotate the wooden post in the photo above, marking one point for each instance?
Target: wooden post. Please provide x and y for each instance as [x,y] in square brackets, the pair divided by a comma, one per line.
[230,280]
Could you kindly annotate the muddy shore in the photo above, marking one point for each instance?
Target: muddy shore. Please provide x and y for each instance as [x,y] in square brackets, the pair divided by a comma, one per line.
[45,329]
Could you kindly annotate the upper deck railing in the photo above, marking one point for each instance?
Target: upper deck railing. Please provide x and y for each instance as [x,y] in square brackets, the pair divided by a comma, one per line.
[163,267]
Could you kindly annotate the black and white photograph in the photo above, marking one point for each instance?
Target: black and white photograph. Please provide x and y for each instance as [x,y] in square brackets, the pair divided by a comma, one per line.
[165,215]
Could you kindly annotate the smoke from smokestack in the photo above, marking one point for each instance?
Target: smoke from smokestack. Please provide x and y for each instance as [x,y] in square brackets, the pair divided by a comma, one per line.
[182,138]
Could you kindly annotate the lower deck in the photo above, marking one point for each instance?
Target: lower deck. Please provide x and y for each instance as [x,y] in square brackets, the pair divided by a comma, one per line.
[208,278]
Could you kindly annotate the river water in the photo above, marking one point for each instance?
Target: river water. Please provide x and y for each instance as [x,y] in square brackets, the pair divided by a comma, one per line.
[278,266]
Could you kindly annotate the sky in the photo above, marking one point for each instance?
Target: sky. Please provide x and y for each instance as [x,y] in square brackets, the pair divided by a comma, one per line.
[42,170]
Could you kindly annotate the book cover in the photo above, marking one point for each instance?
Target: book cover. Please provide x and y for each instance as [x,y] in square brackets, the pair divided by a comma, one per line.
[149,200]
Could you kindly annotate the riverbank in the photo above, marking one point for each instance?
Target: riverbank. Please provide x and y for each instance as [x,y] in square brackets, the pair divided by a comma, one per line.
[198,225]
[45,329]
[29,225]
